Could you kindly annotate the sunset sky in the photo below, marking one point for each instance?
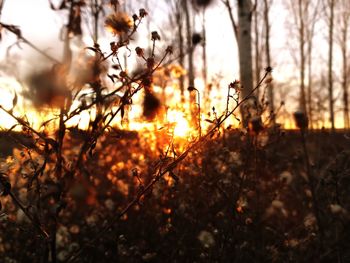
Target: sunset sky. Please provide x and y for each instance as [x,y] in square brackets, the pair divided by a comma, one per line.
[41,25]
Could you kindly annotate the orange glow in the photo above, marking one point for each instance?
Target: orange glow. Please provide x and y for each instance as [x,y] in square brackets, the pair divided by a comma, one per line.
[167,211]
[182,127]
[239,209]
[176,121]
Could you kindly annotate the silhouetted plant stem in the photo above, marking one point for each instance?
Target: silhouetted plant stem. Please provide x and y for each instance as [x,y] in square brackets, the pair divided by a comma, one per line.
[161,172]
[58,172]
[199,109]
[34,222]
[25,124]
[227,99]
[92,139]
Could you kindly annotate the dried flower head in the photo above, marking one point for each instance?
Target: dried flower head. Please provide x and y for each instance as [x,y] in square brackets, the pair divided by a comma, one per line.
[191,88]
[139,51]
[268,69]
[196,38]
[118,23]
[236,86]
[169,50]
[142,12]
[206,238]
[135,17]
[155,36]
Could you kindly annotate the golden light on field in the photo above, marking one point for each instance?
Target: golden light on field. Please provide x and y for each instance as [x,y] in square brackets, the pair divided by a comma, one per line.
[176,119]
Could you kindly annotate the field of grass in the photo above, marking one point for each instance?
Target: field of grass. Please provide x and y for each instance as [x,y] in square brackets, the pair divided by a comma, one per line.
[240,197]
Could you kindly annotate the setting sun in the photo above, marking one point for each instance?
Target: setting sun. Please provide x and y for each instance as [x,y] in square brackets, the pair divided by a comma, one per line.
[182,127]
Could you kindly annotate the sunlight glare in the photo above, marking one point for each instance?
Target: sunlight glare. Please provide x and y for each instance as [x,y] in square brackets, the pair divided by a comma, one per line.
[182,127]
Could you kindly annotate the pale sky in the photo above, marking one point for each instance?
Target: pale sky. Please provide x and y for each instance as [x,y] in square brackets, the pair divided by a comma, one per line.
[41,25]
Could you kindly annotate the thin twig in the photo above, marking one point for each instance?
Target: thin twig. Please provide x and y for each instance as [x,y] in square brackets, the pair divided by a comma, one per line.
[34,222]
[161,173]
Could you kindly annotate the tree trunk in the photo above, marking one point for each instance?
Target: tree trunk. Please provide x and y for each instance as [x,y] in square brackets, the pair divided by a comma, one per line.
[204,51]
[344,51]
[189,43]
[192,101]
[309,86]
[330,65]
[95,12]
[245,52]
[268,60]
[181,48]
[257,59]
[310,36]
[302,57]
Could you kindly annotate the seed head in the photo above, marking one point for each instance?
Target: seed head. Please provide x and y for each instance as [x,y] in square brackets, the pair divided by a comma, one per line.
[118,23]
[169,50]
[142,12]
[155,36]
[135,17]
[196,38]
[268,69]
[236,85]
[139,52]
[191,88]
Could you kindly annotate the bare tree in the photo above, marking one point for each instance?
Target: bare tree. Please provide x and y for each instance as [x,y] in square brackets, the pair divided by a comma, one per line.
[204,50]
[244,45]
[329,7]
[257,47]
[305,14]
[186,10]
[312,17]
[267,5]
[301,29]
[201,6]
[177,23]
[181,45]
[342,38]
[330,62]
[242,31]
